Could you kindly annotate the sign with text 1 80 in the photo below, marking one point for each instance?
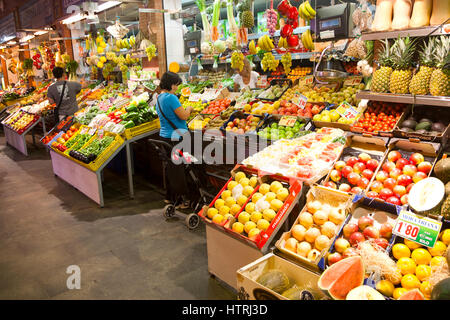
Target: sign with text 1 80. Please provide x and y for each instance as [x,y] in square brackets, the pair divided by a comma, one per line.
[422,230]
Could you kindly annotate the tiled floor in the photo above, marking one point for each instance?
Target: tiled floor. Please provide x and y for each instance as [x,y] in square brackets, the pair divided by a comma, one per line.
[126,250]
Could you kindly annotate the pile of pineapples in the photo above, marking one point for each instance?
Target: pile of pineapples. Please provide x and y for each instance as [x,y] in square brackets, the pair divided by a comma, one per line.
[396,63]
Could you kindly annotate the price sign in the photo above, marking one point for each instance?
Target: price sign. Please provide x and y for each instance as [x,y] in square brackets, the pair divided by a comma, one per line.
[349,113]
[299,100]
[352,81]
[306,81]
[194,97]
[92,131]
[262,82]
[287,121]
[84,130]
[422,230]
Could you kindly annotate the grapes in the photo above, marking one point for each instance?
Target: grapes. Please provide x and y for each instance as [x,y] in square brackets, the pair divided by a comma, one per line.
[271,17]
[286,60]
[150,51]
[237,60]
[269,62]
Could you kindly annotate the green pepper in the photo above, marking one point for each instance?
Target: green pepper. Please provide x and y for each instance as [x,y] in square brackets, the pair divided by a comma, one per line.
[131,108]
[129,124]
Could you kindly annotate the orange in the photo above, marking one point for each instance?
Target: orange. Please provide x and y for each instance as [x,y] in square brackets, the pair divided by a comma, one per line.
[445,236]
[410,281]
[421,256]
[423,272]
[438,249]
[411,244]
[406,265]
[425,288]
[400,250]
[437,261]
[398,292]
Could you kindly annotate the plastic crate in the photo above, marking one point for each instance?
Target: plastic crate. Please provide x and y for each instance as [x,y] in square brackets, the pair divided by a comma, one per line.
[140,129]
[101,158]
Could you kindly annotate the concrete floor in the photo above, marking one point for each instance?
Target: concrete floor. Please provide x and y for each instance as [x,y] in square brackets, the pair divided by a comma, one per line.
[126,250]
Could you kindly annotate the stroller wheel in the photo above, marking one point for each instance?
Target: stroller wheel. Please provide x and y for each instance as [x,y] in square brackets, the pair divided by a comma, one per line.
[192,221]
[169,211]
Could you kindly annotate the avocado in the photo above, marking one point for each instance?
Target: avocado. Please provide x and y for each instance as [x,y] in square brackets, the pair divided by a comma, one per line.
[438,126]
[410,123]
[423,125]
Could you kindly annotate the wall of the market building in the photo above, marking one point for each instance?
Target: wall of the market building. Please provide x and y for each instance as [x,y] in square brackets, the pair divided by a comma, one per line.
[174,33]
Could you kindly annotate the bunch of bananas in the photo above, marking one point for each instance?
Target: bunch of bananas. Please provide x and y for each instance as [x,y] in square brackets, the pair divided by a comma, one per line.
[286,60]
[237,60]
[101,44]
[306,11]
[252,47]
[150,51]
[124,43]
[282,43]
[307,40]
[265,43]
[269,62]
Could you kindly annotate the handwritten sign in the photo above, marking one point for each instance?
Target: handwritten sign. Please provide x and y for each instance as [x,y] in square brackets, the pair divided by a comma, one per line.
[194,97]
[262,82]
[306,81]
[422,230]
[352,81]
[287,121]
[347,111]
[299,100]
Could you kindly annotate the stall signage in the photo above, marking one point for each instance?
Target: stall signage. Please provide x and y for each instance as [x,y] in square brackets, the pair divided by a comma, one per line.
[287,121]
[422,230]
[349,113]
[194,97]
[299,100]
[353,81]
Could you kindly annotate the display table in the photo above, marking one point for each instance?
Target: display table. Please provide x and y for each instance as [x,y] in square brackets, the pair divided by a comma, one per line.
[18,141]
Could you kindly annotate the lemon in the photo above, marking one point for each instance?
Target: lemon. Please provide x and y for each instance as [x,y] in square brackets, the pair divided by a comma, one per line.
[276,205]
[445,236]
[275,186]
[249,226]
[234,209]
[423,272]
[218,218]
[262,224]
[438,249]
[229,202]
[219,204]
[237,227]
[244,217]
[231,185]
[412,245]
[398,292]
[282,194]
[255,216]
[239,175]
[226,194]
[212,212]
[253,182]
[227,216]
[253,232]
[386,288]
[248,190]
[406,265]
[426,288]
[250,207]
[241,200]
[244,182]
[410,281]
[437,261]
[264,188]
[224,210]
[269,214]
[256,197]
[270,196]
[400,250]
[421,256]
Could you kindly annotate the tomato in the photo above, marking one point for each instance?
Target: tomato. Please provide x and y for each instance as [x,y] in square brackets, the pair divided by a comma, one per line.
[73,128]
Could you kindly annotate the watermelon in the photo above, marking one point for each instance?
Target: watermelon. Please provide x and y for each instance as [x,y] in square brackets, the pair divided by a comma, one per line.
[414,294]
[343,276]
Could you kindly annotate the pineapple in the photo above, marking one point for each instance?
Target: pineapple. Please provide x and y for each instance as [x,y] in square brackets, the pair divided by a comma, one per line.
[440,78]
[420,81]
[402,57]
[380,80]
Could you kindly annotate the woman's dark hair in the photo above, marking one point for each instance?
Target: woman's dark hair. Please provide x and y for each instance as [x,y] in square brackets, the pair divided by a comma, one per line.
[168,79]
[58,72]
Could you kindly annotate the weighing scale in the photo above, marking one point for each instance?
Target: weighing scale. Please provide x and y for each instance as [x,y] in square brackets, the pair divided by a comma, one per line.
[192,43]
[335,22]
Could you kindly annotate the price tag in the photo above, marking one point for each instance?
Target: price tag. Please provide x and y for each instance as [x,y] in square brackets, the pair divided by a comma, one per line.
[306,81]
[352,81]
[422,230]
[299,100]
[287,121]
[262,81]
[194,97]
[92,131]
[349,112]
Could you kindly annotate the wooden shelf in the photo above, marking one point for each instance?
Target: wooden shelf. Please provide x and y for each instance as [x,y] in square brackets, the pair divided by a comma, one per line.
[416,32]
[405,98]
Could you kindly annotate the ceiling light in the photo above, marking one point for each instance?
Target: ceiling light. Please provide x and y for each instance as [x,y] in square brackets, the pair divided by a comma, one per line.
[75,18]
[11,42]
[106,5]
[41,32]
[26,38]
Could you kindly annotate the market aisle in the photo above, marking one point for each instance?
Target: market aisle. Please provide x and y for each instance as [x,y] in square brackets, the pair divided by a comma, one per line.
[125,250]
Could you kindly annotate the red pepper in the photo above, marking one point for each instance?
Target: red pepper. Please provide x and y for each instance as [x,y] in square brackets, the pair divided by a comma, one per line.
[292,41]
[283,7]
[286,31]
[293,23]
[292,13]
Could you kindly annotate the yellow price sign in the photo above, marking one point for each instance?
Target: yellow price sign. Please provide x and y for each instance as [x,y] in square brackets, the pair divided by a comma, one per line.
[287,121]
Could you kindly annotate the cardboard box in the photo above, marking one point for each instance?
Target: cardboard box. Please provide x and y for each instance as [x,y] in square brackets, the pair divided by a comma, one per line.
[250,289]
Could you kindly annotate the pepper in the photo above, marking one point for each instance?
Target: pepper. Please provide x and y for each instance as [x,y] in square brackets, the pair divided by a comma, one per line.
[129,124]
[131,108]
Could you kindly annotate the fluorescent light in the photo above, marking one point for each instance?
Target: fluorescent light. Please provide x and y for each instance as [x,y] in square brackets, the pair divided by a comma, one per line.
[39,33]
[26,38]
[75,18]
[106,5]
[8,38]
[11,42]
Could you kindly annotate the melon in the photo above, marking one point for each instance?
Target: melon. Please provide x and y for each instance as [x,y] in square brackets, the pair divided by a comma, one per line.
[343,276]
[441,291]
[364,293]
[426,196]
[414,294]
[442,170]
[275,280]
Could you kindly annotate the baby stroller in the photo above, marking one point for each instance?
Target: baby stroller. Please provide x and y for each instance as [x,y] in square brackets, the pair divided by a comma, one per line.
[184,180]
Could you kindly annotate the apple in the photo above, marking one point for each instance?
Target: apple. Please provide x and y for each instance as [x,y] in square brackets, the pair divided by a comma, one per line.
[389,183]
[410,170]
[388,166]
[408,188]
[341,245]
[335,175]
[359,167]
[352,161]
[356,190]
[404,180]
[386,230]
[372,194]
[364,222]
[395,173]
[349,252]
[345,187]
[399,191]
[394,200]
[349,228]
[367,173]
[404,199]
[376,186]
[416,158]
[419,176]
[372,164]
[371,232]
[330,184]
[386,193]
[339,165]
[356,237]
[394,156]
[424,167]
[382,242]
[363,182]
[353,178]
[364,157]
[334,257]
[381,176]
[346,171]
[401,163]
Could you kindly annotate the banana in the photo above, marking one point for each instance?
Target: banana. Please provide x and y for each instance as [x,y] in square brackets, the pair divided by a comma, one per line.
[270,42]
[310,9]
[304,12]
[260,43]
[251,47]
[309,40]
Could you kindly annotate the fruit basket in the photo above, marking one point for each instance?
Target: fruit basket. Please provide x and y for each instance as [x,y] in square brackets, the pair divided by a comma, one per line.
[279,85]
[271,130]
[238,122]
[338,117]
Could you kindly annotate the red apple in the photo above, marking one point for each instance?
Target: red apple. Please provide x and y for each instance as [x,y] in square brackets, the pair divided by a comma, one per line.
[345,187]
[388,166]
[372,194]
[359,167]
[346,171]
[356,190]
[381,176]
[372,164]
[363,182]
[408,188]
[353,178]
[341,245]
[386,230]
[394,200]
[349,228]
[334,257]
[404,180]
[395,173]
[352,161]
[410,170]
[404,199]
[364,157]
[330,184]
[335,175]
[399,191]
[389,183]
[367,173]
[419,176]
[356,237]
[394,156]
[349,252]
[416,158]
[401,163]
[364,222]
[386,193]
[339,165]
[382,242]
[376,186]
[371,232]
[424,167]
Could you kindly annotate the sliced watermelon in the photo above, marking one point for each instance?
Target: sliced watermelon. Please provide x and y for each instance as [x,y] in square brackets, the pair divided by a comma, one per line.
[414,294]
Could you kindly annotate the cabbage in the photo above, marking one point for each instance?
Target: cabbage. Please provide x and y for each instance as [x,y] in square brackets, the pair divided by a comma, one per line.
[206,48]
[220,46]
